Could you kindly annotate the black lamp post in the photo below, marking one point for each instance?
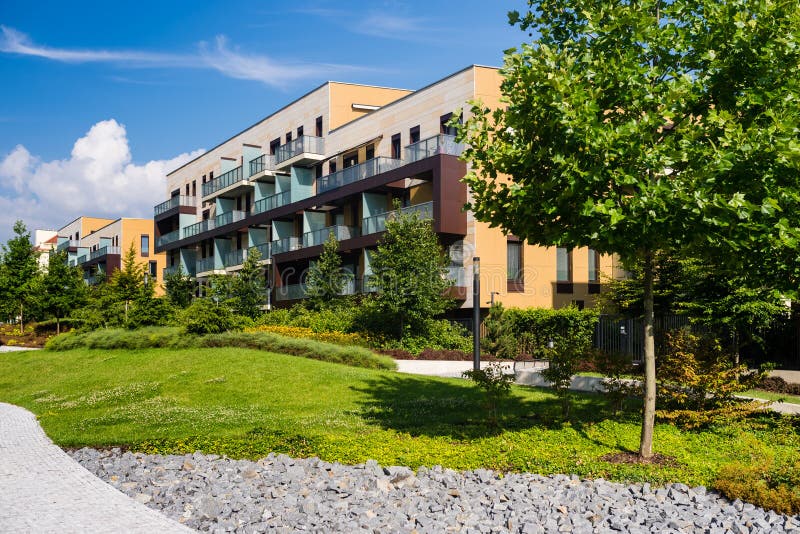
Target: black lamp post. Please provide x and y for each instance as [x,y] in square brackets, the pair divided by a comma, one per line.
[476,314]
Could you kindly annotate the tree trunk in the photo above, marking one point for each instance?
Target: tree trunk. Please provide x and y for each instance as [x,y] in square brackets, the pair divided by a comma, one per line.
[649,408]
[58,326]
[21,321]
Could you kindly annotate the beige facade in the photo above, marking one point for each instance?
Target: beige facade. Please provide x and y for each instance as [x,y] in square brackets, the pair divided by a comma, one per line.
[363,148]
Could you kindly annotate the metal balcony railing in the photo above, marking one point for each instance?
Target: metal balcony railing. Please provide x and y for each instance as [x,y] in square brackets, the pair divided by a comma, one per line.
[174,202]
[286,244]
[265,249]
[199,228]
[229,218]
[377,223]
[355,173]
[82,259]
[223,181]
[264,162]
[290,292]
[271,202]
[235,257]
[168,238]
[304,143]
[438,144]
[204,265]
[104,251]
[318,237]
[64,245]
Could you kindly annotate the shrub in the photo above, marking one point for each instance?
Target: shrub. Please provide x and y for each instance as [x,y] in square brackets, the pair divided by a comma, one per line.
[498,341]
[150,312]
[563,358]
[771,485]
[617,368]
[205,317]
[49,326]
[301,332]
[496,386]
[777,384]
[120,338]
[397,354]
[532,329]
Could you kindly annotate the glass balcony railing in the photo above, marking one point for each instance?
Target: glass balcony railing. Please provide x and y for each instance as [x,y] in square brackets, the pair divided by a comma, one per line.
[204,265]
[286,244]
[265,249]
[229,218]
[82,259]
[235,257]
[104,251]
[175,268]
[457,275]
[290,292]
[168,238]
[264,162]
[198,228]
[69,243]
[271,202]
[171,270]
[174,202]
[223,181]
[438,144]
[355,173]
[318,237]
[377,223]
[304,143]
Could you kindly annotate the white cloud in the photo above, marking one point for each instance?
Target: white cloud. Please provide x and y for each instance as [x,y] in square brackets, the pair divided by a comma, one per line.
[220,57]
[98,179]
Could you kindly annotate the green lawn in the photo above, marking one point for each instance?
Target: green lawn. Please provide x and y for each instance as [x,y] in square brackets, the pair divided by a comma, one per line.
[245,403]
[769,395]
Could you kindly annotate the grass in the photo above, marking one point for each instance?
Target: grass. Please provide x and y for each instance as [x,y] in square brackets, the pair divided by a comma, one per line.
[245,403]
[772,396]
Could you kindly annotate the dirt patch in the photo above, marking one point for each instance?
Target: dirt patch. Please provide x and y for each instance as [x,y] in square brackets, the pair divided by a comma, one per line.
[11,336]
[634,458]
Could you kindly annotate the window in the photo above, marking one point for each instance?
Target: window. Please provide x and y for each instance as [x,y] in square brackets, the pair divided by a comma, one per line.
[187,190]
[514,263]
[288,137]
[350,160]
[247,201]
[370,151]
[332,166]
[396,146]
[413,135]
[563,265]
[299,131]
[594,266]
[443,127]
[145,245]
[175,192]
[273,146]
[210,176]
[318,171]
[204,178]
[194,187]
[318,128]
[153,269]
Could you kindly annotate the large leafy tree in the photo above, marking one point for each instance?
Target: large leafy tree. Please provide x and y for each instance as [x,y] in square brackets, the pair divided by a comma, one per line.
[410,275]
[637,126]
[19,274]
[128,284]
[62,289]
[326,278]
[179,288]
[247,288]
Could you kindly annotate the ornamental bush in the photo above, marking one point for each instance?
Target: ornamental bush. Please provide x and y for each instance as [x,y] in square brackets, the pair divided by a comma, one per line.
[531,330]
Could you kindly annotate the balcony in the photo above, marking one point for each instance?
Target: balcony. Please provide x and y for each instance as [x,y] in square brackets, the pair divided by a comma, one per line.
[199,228]
[271,202]
[204,265]
[82,259]
[174,269]
[457,274]
[166,239]
[286,244]
[303,151]
[104,251]
[355,173]
[265,249]
[229,218]
[64,245]
[377,223]
[173,203]
[318,237]
[290,292]
[235,258]
[438,144]
[263,165]
[225,181]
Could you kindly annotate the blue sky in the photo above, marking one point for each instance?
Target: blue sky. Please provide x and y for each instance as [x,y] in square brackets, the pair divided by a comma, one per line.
[129,89]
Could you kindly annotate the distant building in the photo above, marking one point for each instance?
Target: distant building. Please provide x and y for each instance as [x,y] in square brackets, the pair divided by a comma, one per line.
[335,161]
[99,245]
[43,242]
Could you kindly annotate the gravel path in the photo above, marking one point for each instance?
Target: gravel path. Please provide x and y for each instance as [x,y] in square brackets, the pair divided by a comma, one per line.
[44,490]
[281,494]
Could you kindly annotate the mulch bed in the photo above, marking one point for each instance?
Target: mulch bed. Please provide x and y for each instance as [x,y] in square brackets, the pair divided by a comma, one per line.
[634,458]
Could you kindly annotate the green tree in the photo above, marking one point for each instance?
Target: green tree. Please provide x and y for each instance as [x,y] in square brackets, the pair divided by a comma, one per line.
[247,288]
[632,127]
[62,289]
[326,278]
[128,283]
[410,274]
[19,274]
[179,288]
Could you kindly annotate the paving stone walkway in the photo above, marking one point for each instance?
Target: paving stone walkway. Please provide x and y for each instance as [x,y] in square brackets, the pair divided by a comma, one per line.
[43,490]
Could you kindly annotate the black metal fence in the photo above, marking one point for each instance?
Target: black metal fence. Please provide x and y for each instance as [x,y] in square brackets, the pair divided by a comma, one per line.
[626,336]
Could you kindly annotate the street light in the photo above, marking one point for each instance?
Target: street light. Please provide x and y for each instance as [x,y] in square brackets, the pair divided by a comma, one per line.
[476,313]
[491,297]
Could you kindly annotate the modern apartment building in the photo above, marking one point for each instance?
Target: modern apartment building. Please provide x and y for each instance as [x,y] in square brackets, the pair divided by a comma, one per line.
[337,160]
[99,245]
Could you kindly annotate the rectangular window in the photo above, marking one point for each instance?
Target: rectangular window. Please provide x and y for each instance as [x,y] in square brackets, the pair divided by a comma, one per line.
[273,146]
[144,246]
[318,171]
[194,187]
[563,265]
[210,176]
[350,160]
[153,268]
[332,166]
[413,135]
[299,131]
[396,146]
[594,266]
[370,151]
[318,129]
[514,260]
[175,192]
[187,190]
[204,178]
[443,126]
[247,201]
[288,137]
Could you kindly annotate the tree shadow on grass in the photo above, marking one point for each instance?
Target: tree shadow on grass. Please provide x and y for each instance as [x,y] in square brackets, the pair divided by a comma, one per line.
[423,406]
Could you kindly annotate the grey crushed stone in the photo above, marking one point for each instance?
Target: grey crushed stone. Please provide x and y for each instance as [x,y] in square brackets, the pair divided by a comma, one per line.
[283,494]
